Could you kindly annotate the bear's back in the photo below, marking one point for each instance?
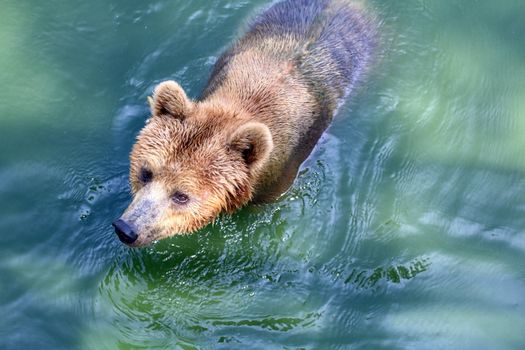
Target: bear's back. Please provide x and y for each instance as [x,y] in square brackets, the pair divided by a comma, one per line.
[330,41]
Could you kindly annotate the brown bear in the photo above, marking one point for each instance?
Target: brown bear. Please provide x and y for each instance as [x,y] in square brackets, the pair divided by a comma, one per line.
[270,97]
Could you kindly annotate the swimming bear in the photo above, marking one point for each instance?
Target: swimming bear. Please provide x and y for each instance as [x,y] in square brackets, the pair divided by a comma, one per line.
[270,97]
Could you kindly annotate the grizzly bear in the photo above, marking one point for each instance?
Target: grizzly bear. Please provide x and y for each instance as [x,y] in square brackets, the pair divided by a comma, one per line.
[270,97]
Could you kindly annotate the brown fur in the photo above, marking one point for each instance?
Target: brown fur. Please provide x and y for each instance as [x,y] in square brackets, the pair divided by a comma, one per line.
[261,114]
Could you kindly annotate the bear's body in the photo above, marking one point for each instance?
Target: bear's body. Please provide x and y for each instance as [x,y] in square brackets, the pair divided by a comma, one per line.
[269,99]
[290,71]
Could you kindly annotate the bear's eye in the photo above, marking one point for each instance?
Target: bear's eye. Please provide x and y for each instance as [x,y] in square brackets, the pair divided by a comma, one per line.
[180,198]
[145,175]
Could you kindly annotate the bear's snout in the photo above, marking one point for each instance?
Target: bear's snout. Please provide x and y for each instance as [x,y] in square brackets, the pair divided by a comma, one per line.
[125,232]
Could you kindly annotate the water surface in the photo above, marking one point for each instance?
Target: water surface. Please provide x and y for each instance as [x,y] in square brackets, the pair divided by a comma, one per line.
[404,230]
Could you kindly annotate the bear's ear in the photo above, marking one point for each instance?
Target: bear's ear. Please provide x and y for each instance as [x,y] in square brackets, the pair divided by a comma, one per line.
[254,142]
[170,99]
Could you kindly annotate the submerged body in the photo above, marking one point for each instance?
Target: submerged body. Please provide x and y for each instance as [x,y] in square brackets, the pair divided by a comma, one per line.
[269,99]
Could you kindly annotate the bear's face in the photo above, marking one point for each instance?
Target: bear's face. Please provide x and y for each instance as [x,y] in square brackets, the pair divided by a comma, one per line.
[191,162]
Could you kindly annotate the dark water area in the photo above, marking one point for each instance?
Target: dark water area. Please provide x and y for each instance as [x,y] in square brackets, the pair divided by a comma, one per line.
[405,228]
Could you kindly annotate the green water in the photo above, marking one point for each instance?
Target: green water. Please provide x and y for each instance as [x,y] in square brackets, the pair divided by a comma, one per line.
[404,230]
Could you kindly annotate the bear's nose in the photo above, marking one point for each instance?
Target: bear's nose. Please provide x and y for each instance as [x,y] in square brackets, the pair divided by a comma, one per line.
[125,232]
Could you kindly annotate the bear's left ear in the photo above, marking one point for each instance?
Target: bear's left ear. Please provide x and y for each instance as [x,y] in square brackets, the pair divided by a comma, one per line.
[254,142]
[170,99]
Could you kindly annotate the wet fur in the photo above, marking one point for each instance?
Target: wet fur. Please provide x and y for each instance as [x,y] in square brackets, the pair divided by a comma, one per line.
[291,70]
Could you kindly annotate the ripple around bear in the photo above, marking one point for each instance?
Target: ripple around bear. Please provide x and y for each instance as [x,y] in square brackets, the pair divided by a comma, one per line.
[270,97]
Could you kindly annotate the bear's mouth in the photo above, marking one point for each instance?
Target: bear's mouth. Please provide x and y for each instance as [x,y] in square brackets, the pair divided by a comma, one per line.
[146,238]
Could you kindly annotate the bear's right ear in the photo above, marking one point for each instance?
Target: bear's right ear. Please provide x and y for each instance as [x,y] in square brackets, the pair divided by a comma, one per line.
[170,99]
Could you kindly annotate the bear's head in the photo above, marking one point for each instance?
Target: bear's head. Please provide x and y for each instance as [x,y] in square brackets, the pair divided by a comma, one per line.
[192,161]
